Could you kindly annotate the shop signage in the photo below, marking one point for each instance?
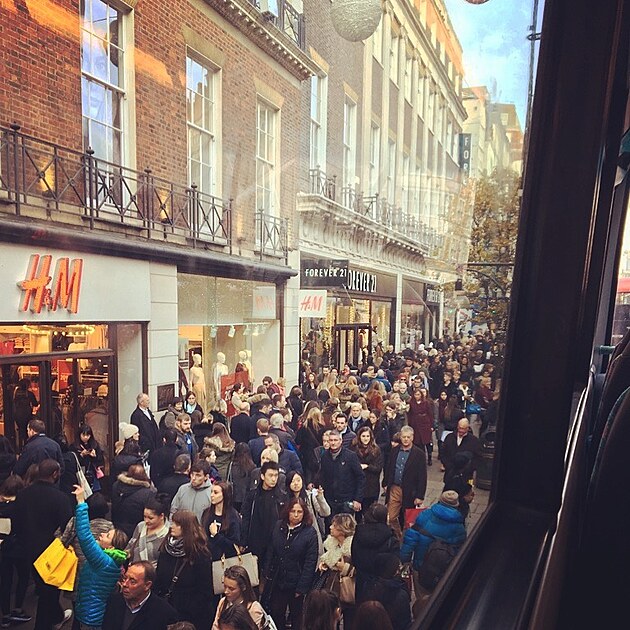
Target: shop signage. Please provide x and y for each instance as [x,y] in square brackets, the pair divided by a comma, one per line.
[361,281]
[312,303]
[433,296]
[464,152]
[324,273]
[264,306]
[64,291]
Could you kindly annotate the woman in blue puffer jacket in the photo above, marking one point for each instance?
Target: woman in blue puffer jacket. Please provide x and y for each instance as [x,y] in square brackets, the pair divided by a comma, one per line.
[101,571]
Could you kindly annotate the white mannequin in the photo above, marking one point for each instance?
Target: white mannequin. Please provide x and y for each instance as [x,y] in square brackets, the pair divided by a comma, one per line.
[197,381]
[248,365]
[219,369]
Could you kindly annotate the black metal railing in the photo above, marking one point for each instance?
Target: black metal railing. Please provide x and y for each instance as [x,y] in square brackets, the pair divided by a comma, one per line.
[323,185]
[63,179]
[272,235]
[287,19]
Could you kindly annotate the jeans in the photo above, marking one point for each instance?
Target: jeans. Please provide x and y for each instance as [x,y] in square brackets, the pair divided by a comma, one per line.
[49,611]
[280,599]
[7,565]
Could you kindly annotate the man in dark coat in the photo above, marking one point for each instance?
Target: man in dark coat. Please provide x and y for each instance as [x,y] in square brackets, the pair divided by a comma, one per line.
[240,426]
[162,460]
[257,444]
[461,441]
[143,418]
[405,479]
[40,510]
[180,475]
[342,477]
[38,448]
[136,607]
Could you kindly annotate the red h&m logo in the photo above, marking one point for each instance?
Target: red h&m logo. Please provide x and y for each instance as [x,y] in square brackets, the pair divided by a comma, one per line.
[66,284]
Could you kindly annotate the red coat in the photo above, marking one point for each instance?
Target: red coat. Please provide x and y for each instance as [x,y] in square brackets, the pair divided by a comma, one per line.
[420,419]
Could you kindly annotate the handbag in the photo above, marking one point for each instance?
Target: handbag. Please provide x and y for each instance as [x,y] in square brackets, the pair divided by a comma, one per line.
[347,588]
[411,514]
[100,473]
[246,560]
[82,479]
[473,407]
[57,565]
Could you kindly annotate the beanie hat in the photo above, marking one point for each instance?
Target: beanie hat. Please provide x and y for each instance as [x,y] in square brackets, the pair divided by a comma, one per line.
[127,430]
[450,498]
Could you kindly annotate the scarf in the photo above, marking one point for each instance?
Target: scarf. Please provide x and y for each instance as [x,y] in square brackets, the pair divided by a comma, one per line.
[117,555]
[175,547]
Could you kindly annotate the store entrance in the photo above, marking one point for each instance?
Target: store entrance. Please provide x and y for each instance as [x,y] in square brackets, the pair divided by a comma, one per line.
[64,389]
[352,343]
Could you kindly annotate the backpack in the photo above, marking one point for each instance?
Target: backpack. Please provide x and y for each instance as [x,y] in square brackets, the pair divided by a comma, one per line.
[436,560]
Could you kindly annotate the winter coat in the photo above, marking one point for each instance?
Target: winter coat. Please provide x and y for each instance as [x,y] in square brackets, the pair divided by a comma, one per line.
[195,500]
[223,543]
[36,450]
[240,427]
[414,479]
[150,438]
[308,440]
[156,614]
[440,520]
[289,461]
[170,484]
[146,547]
[374,461]
[394,595]
[129,496]
[381,436]
[99,574]
[469,444]
[192,594]
[342,478]
[121,464]
[253,538]
[334,552]
[291,558]
[420,419]
[225,454]
[201,431]
[7,464]
[320,510]
[240,483]
[187,444]
[256,447]
[162,461]
[10,546]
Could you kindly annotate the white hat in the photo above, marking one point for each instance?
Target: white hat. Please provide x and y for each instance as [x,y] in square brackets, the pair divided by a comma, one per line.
[127,430]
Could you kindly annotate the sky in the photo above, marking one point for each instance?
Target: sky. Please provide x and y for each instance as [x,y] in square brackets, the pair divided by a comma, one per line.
[495,47]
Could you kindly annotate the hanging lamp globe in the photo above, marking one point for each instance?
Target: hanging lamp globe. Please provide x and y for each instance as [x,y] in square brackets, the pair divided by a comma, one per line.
[355,20]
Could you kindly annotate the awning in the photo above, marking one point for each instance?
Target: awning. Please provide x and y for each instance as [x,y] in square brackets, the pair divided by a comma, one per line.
[623,284]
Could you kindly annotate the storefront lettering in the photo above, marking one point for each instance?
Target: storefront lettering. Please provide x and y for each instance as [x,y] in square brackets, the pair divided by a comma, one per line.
[325,273]
[312,303]
[65,289]
[361,281]
[433,296]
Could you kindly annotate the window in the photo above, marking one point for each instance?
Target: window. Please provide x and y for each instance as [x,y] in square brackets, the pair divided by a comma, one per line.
[102,80]
[450,148]
[377,43]
[266,123]
[349,142]
[393,59]
[408,78]
[319,106]
[391,171]
[201,118]
[405,184]
[375,158]
[422,88]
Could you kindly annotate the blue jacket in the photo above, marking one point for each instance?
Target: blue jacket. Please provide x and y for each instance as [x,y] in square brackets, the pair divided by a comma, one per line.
[99,574]
[440,520]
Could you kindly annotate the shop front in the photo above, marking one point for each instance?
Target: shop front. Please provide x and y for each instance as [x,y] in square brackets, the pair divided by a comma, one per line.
[413,314]
[229,332]
[73,334]
[356,319]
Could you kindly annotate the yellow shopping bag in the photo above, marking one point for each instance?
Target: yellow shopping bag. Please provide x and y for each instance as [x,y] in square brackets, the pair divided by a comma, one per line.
[57,565]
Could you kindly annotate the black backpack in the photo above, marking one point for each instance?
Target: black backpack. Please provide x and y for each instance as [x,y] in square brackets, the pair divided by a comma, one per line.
[436,560]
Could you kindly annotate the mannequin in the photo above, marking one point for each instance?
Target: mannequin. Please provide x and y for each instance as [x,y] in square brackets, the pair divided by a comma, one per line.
[241,366]
[197,381]
[248,365]
[219,369]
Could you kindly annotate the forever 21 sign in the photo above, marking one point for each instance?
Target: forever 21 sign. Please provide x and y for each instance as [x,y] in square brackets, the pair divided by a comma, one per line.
[361,281]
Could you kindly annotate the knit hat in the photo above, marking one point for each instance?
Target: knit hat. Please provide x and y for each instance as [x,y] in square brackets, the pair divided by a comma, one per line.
[127,430]
[450,498]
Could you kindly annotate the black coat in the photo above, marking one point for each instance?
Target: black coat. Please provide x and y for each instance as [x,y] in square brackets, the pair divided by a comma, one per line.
[156,614]
[201,431]
[253,538]
[150,439]
[223,543]
[240,428]
[289,461]
[162,461]
[374,461]
[308,440]
[292,559]
[7,464]
[381,436]
[470,445]
[342,478]
[40,510]
[129,497]
[172,483]
[395,598]
[192,594]
[414,479]
[36,450]
[121,464]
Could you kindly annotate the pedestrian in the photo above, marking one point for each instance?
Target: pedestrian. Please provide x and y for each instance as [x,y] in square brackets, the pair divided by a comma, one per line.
[184,571]
[224,446]
[38,447]
[149,533]
[137,605]
[238,591]
[209,455]
[101,571]
[24,405]
[221,523]
[90,456]
[236,617]
[195,495]
[186,441]
[240,425]
[420,419]
[142,417]
[180,476]
[130,494]
[372,615]
[40,510]
[308,439]
[162,460]
[242,467]
[371,460]
[13,556]
[129,452]
[290,564]
[322,610]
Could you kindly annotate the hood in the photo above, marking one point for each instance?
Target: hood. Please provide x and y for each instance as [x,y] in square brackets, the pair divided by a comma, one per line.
[204,486]
[117,555]
[372,535]
[130,481]
[447,514]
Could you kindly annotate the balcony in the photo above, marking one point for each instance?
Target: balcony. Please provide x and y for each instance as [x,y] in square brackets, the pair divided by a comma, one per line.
[272,235]
[273,25]
[47,182]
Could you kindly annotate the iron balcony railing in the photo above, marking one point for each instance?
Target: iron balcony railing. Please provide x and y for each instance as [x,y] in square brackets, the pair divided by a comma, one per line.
[286,18]
[63,180]
[323,185]
[272,235]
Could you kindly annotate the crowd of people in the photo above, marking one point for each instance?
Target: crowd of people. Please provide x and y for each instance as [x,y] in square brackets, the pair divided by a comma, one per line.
[311,490]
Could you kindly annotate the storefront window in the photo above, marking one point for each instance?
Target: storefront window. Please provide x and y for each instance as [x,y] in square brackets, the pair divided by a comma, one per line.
[228,332]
